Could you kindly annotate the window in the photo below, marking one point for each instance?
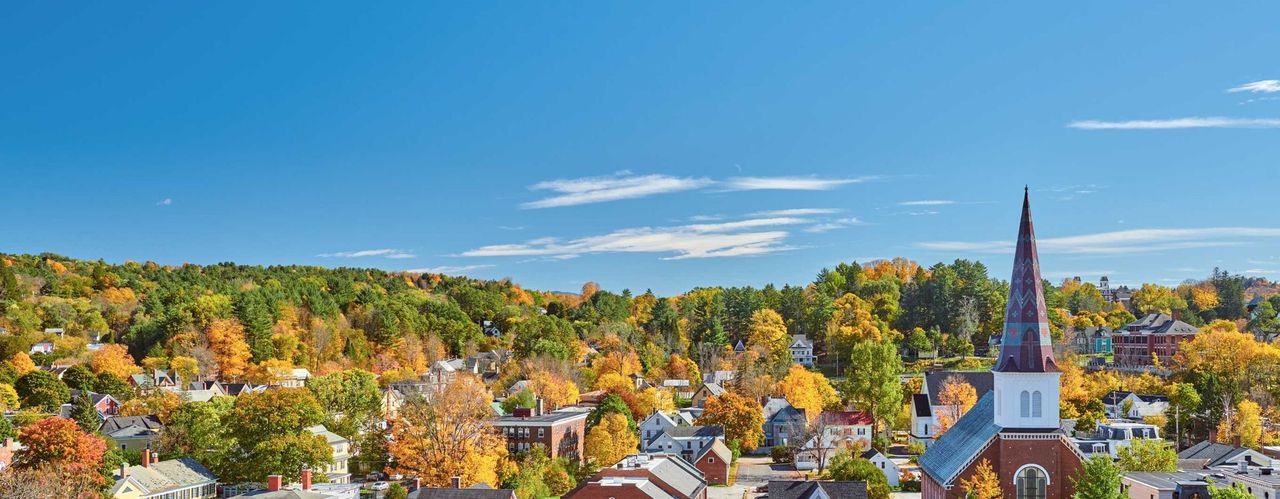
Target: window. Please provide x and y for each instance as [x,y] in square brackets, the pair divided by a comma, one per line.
[711,460]
[542,431]
[1035,404]
[1032,483]
[1025,398]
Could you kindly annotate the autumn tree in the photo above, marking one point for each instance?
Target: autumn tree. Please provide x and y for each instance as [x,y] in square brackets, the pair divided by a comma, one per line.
[809,391]
[159,403]
[1147,454]
[272,437]
[1222,357]
[1156,299]
[1245,423]
[742,419]
[194,429]
[446,436]
[611,440]
[852,322]
[956,397]
[186,367]
[60,443]
[351,400]
[42,389]
[768,333]
[21,363]
[230,351]
[8,397]
[983,484]
[115,360]
[847,467]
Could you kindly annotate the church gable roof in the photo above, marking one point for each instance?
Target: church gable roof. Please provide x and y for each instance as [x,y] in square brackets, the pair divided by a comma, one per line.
[955,449]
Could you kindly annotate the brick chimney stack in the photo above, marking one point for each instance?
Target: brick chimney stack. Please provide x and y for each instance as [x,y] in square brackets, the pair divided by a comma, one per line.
[273,483]
[146,458]
[306,479]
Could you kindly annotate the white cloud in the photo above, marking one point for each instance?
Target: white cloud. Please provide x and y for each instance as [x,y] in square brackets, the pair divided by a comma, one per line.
[797,212]
[1117,242]
[385,253]
[830,225]
[448,269]
[1079,273]
[1260,86]
[791,183]
[680,242]
[1193,122]
[601,189]
[927,202]
[165,202]
[511,227]
[705,218]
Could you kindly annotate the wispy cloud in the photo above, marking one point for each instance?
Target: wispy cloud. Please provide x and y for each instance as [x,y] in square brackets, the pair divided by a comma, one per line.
[705,218]
[602,189]
[791,183]
[164,202]
[1073,191]
[449,269]
[1118,242]
[797,212]
[831,225]
[1177,123]
[1078,273]
[511,227]
[728,239]
[384,253]
[1260,86]
[927,202]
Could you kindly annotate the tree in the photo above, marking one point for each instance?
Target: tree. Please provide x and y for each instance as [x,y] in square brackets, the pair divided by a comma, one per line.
[8,397]
[872,384]
[1156,299]
[1147,454]
[1245,423]
[194,429]
[845,467]
[113,359]
[21,363]
[611,404]
[1099,478]
[10,290]
[446,436]
[741,417]
[270,430]
[983,484]
[611,440]
[1183,398]
[227,342]
[397,491]
[555,389]
[56,441]
[83,413]
[42,389]
[522,399]
[546,335]
[79,377]
[956,397]
[186,367]
[351,400]
[767,332]
[1222,357]
[160,403]
[808,390]
[1233,491]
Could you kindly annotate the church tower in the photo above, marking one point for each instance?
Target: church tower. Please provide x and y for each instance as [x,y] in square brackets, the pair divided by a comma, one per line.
[1026,377]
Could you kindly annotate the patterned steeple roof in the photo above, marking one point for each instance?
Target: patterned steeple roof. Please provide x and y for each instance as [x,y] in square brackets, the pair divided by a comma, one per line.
[1025,345]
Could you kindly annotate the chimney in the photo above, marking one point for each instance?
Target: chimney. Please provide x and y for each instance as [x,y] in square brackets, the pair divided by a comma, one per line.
[1235,441]
[456,481]
[273,483]
[306,479]
[146,458]
[417,483]
[1177,314]
[541,406]
[124,470]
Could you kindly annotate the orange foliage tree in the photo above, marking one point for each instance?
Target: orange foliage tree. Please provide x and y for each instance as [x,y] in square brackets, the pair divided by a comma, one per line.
[114,359]
[741,417]
[59,442]
[231,352]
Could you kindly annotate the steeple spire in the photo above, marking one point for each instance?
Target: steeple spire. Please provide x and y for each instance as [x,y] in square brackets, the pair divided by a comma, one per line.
[1026,346]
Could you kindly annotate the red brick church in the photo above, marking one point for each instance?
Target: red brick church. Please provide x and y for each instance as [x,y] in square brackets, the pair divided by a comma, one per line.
[1015,426]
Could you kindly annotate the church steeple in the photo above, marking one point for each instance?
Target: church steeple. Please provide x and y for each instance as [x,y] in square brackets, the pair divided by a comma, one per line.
[1026,346]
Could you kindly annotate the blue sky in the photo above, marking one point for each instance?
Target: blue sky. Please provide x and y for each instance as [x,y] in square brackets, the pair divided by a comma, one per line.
[661,145]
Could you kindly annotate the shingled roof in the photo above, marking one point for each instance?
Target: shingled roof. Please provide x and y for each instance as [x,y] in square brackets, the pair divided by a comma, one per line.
[952,451]
[809,489]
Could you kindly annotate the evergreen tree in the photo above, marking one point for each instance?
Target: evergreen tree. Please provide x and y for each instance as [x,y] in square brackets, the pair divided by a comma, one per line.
[9,288]
[84,414]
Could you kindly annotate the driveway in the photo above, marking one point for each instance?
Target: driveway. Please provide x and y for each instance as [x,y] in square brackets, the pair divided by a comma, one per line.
[753,471]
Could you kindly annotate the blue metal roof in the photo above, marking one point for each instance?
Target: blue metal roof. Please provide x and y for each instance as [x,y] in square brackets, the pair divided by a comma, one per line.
[946,458]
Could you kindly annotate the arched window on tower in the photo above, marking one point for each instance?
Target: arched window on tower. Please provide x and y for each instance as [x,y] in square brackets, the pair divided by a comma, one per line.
[1025,400]
[1035,405]
[1032,483]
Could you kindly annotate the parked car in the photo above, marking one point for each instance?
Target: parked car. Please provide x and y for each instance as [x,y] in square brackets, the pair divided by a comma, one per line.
[379,486]
[375,476]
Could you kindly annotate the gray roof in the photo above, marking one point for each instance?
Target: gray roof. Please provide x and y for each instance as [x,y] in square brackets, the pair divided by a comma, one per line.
[714,389]
[1165,480]
[695,431]
[170,475]
[117,423]
[946,458]
[807,489]
[329,437]
[779,408]
[981,381]
[1213,453]
[921,403]
[284,494]
[472,492]
[1158,324]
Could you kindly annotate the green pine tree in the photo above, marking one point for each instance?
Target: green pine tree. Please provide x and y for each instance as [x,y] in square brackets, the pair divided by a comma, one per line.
[9,288]
[84,414]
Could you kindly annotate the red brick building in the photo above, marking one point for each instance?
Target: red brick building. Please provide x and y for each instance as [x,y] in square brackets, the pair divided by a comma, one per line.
[714,463]
[560,432]
[644,476]
[1015,428]
[1156,335]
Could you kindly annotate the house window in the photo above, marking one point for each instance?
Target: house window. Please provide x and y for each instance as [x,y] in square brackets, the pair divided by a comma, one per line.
[1032,483]
[1025,398]
[542,431]
[711,460]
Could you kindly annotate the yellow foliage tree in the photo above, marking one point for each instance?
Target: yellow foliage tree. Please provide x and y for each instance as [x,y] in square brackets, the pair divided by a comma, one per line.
[767,333]
[984,484]
[186,367]
[270,371]
[1246,423]
[447,436]
[741,417]
[623,363]
[226,340]
[555,390]
[808,390]
[159,403]
[114,359]
[611,440]
[956,397]
[852,321]
[8,397]
[21,363]
[1222,352]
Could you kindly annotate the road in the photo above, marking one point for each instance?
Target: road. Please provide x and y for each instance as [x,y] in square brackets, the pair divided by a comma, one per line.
[753,471]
